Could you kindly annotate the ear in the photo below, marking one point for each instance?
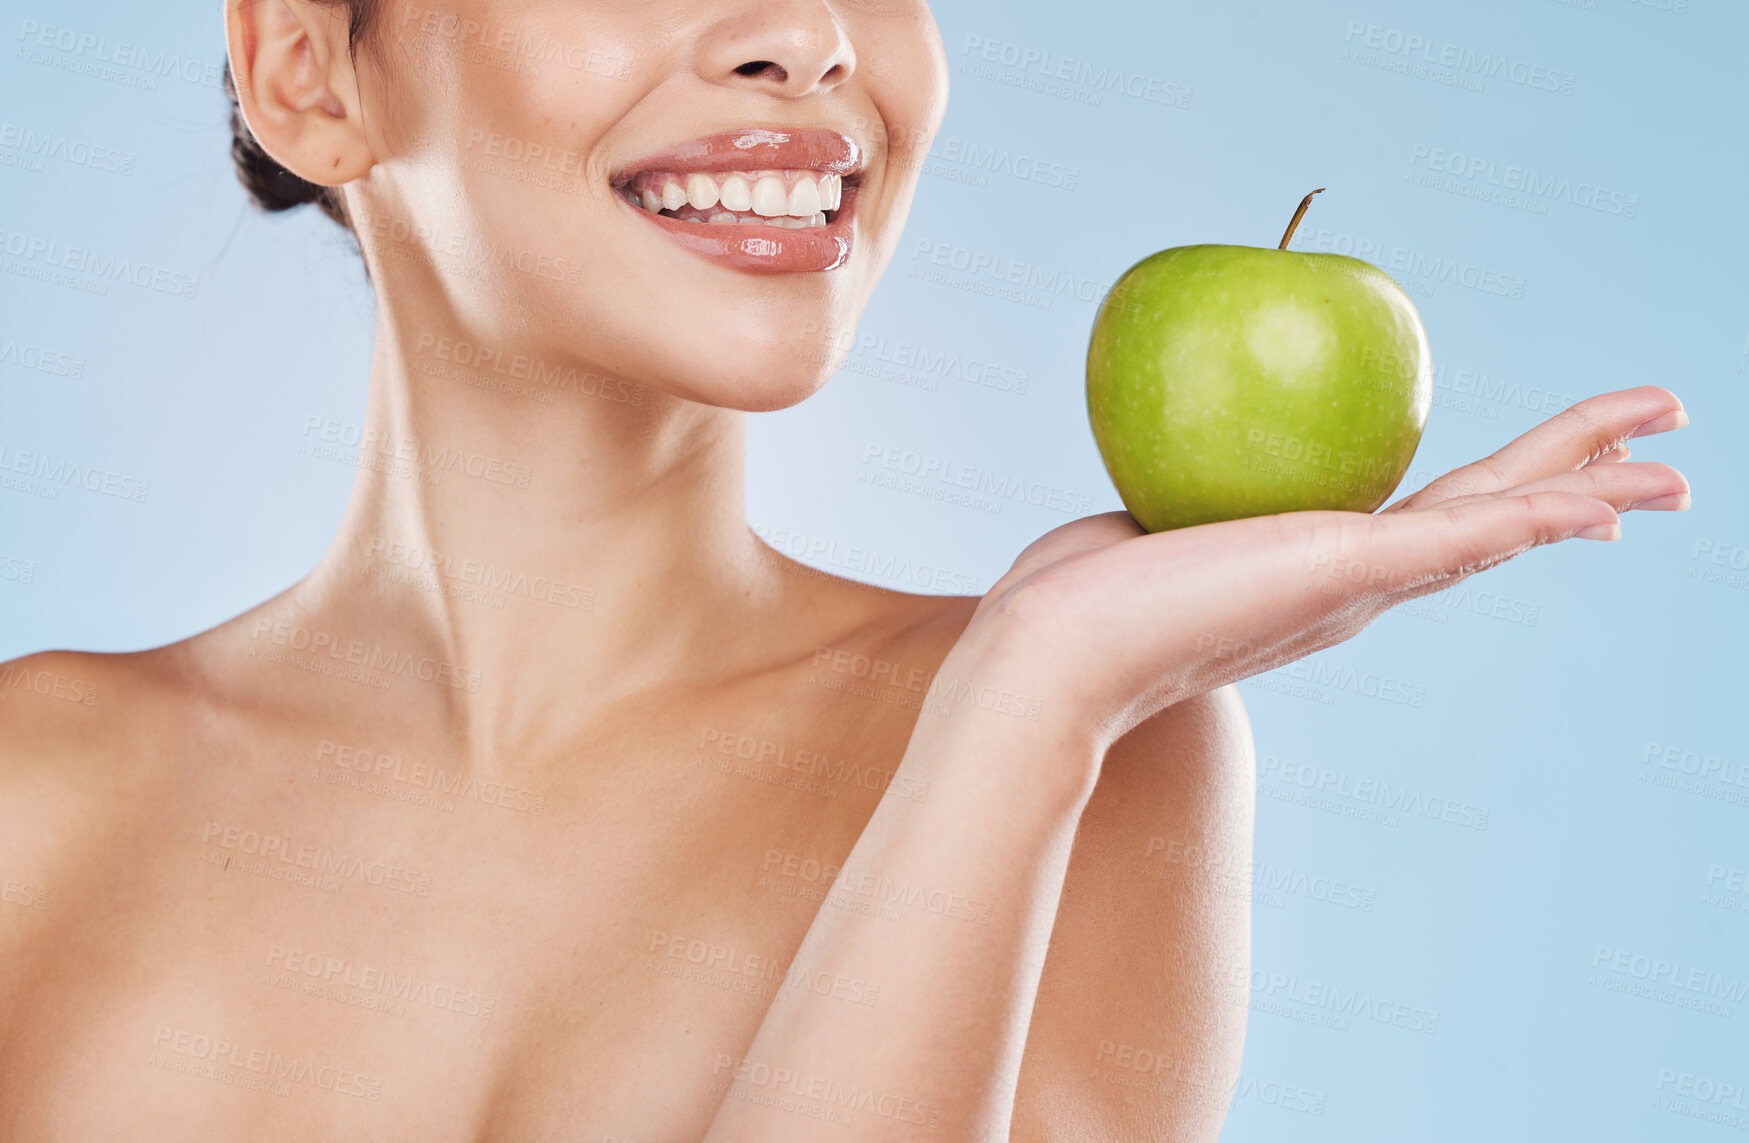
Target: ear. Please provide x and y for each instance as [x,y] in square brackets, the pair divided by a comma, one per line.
[297,87]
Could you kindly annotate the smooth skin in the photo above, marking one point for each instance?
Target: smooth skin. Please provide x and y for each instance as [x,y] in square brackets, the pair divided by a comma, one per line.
[239,840]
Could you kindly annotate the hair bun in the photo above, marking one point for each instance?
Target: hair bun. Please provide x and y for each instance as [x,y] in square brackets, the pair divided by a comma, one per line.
[271,187]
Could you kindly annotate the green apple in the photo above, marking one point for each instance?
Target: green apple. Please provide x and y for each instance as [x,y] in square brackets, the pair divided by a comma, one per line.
[1230,381]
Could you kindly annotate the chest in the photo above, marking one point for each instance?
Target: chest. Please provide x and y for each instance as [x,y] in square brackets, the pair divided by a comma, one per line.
[342,940]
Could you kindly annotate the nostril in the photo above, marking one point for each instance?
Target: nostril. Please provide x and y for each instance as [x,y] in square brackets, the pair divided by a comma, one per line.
[760,67]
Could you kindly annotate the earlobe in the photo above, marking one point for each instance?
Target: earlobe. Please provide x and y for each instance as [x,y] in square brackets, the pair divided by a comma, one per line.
[291,63]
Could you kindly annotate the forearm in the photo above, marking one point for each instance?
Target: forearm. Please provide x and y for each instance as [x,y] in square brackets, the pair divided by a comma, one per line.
[943,911]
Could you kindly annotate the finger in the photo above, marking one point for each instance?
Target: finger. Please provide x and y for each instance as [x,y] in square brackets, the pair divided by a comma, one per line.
[1408,551]
[1624,487]
[1373,563]
[1620,452]
[1351,567]
[1440,548]
[1569,440]
[1243,595]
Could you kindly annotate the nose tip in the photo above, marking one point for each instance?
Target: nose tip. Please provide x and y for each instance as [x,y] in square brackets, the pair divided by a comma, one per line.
[786,49]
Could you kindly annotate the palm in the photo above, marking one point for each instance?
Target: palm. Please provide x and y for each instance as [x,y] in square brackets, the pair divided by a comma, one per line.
[1139,620]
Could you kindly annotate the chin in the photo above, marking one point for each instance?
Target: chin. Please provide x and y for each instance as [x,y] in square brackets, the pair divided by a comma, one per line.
[753,357]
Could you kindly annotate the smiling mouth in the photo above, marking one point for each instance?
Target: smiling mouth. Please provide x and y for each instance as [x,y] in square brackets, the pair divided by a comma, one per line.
[791,199]
[760,200]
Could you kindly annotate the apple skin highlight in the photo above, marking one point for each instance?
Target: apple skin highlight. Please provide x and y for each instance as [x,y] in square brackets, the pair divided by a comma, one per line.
[1234,381]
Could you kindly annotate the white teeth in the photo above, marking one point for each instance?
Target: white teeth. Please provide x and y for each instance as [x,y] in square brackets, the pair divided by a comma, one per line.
[782,222]
[737,193]
[804,198]
[793,200]
[701,191]
[769,197]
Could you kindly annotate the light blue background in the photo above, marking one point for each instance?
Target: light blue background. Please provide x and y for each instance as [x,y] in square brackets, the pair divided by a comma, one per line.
[1553,727]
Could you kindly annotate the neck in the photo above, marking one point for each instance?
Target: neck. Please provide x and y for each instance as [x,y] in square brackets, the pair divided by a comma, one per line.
[548,536]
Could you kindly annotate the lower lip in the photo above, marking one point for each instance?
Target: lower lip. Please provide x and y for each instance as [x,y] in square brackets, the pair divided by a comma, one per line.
[755,249]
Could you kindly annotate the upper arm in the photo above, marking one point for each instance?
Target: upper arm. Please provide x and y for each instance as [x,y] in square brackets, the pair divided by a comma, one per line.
[1140,1019]
[64,744]
[50,709]
[58,713]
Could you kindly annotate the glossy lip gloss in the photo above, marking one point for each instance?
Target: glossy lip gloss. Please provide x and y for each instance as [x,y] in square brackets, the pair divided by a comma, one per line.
[752,247]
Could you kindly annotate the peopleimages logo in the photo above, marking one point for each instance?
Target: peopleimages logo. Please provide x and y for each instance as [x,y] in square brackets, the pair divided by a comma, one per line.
[321,860]
[931,469]
[526,45]
[1550,188]
[403,987]
[87,51]
[1270,990]
[33,146]
[16,569]
[1405,800]
[47,475]
[15,677]
[1064,76]
[1410,266]
[523,367]
[976,162]
[1457,58]
[176,1049]
[1044,283]
[858,560]
[819,1096]
[357,441]
[1668,981]
[37,250]
[1371,684]
[426,776]
[40,359]
[369,656]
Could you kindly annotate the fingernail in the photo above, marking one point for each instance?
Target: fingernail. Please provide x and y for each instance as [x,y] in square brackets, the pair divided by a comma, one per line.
[1675,502]
[1662,424]
[1600,532]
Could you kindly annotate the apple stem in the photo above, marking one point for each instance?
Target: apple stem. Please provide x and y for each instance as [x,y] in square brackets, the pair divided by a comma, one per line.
[1298,214]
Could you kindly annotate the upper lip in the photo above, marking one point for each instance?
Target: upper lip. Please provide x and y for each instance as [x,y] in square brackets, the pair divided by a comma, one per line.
[755,149]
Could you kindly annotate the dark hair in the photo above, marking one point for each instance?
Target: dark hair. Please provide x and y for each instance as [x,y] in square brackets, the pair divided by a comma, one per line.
[271,187]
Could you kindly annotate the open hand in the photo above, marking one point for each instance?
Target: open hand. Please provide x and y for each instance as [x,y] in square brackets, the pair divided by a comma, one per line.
[1120,623]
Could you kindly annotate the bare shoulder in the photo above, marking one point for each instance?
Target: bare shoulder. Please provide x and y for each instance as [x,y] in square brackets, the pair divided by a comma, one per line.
[1140,1020]
[54,705]
[61,708]
[872,611]
[84,739]
[61,732]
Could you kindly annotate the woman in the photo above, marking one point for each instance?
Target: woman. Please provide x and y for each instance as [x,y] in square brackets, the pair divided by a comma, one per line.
[552,804]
